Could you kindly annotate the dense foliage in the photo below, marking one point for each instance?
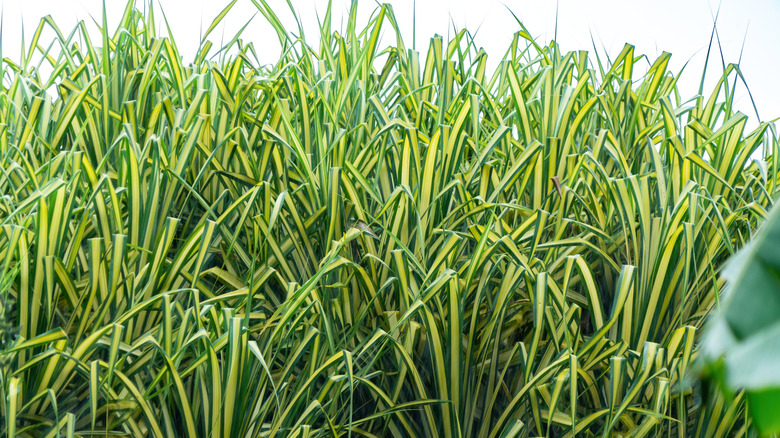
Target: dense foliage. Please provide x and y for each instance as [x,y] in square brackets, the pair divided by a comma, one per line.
[741,344]
[363,240]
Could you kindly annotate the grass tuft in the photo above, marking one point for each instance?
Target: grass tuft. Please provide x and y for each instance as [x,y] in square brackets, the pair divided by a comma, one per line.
[364,240]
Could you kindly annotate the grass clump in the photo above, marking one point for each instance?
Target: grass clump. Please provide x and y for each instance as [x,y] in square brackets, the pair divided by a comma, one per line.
[364,240]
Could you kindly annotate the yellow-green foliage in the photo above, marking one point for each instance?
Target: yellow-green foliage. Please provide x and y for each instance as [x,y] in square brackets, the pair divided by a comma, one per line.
[363,240]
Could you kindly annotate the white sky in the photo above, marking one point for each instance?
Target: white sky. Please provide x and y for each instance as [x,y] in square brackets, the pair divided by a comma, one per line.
[682,27]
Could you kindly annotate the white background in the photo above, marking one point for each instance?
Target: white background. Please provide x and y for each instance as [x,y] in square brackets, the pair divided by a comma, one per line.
[682,27]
